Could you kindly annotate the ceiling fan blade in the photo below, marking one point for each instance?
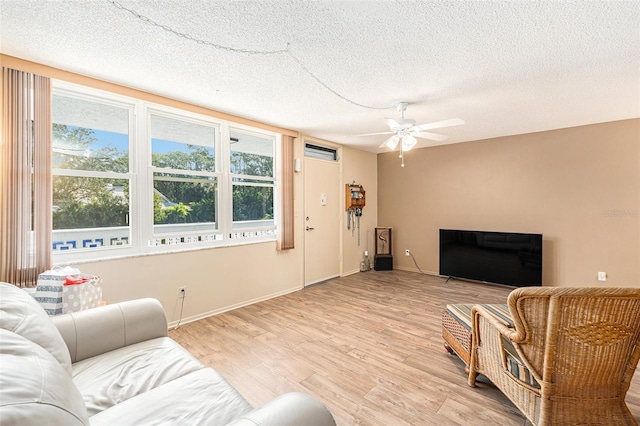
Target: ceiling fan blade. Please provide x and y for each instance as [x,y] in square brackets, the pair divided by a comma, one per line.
[431,136]
[391,123]
[371,134]
[439,124]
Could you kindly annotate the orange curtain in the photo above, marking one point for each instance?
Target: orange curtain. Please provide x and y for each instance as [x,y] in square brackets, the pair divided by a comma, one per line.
[25,178]
[286,237]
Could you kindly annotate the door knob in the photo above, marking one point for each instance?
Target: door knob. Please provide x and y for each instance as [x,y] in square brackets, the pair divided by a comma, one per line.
[309,229]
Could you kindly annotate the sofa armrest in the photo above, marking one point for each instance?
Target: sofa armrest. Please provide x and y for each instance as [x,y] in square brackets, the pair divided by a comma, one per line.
[99,330]
[290,409]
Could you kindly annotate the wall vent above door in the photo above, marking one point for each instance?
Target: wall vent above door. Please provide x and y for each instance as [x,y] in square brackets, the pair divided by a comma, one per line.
[321,152]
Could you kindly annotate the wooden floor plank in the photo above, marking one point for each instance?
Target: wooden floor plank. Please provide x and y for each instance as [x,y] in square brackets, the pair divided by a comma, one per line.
[368,345]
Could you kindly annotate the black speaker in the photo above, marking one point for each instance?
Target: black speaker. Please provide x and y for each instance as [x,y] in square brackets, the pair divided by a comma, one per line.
[383,263]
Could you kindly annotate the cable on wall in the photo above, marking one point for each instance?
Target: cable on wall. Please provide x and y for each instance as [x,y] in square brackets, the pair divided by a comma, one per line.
[286,50]
[181,311]
[416,263]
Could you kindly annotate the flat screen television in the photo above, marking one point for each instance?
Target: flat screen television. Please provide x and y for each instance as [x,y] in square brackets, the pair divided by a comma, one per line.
[507,258]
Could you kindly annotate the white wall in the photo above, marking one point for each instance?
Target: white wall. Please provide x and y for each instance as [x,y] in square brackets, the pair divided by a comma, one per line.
[360,167]
[217,279]
[221,279]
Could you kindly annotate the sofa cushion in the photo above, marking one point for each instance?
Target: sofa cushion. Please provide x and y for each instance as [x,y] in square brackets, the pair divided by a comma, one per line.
[200,398]
[462,313]
[34,388]
[114,377]
[21,314]
[516,366]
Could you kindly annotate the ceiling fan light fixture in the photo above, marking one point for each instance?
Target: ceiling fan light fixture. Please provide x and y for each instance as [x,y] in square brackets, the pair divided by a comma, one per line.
[392,142]
[408,142]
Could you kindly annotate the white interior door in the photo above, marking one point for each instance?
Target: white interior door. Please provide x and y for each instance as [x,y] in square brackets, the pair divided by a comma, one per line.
[321,220]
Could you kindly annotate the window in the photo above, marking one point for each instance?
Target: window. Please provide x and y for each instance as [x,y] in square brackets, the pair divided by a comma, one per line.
[92,179]
[185,183]
[252,175]
[132,177]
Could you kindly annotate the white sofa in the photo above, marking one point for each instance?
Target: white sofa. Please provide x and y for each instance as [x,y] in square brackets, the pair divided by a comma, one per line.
[115,365]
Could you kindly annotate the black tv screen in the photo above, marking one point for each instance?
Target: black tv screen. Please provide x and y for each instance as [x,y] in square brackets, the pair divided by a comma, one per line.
[494,257]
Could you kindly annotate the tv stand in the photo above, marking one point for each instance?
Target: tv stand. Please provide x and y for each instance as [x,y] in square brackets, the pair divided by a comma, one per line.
[448,278]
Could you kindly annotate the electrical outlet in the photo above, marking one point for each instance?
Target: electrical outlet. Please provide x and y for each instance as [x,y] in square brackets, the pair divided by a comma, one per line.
[407,252]
[602,276]
[182,292]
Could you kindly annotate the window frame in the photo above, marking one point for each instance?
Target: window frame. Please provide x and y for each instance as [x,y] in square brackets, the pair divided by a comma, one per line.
[150,234]
[143,240]
[252,232]
[72,91]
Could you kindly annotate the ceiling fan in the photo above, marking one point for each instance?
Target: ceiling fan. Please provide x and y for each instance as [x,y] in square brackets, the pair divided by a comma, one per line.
[405,131]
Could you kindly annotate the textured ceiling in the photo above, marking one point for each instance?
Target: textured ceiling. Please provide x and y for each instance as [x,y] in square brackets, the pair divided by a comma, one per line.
[504,67]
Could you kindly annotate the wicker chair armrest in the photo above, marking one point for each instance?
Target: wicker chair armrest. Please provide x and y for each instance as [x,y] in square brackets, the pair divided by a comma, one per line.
[490,329]
[502,326]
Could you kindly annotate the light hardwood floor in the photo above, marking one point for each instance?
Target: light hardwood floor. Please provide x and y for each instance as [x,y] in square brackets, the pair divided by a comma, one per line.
[368,345]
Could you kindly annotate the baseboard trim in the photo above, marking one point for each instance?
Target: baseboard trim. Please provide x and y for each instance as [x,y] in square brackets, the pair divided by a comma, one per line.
[321,280]
[208,314]
[403,268]
[355,271]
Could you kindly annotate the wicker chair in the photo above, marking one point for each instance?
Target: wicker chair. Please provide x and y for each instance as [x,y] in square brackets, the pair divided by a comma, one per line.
[567,358]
